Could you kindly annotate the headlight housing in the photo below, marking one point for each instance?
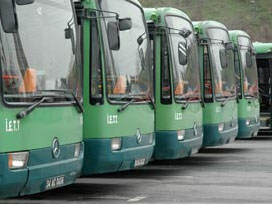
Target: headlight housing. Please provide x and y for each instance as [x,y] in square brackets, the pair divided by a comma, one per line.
[116,144]
[18,160]
[247,122]
[221,127]
[151,138]
[77,150]
[181,135]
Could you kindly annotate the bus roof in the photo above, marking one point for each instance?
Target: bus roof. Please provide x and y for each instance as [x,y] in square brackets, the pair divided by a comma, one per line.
[262,48]
[202,26]
[164,11]
[234,34]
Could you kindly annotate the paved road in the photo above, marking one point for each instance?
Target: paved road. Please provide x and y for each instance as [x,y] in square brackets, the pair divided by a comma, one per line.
[240,172]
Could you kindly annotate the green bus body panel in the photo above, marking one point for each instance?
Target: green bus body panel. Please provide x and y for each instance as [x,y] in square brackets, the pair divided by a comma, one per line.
[38,129]
[134,117]
[213,112]
[165,117]
[171,118]
[248,109]
[99,127]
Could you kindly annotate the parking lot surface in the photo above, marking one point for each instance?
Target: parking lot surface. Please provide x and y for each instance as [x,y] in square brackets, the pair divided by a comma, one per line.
[240,172]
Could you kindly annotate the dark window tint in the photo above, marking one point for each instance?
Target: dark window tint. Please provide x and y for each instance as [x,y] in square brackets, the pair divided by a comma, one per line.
[208,90]
[96,85]
[237,74]
[165,72]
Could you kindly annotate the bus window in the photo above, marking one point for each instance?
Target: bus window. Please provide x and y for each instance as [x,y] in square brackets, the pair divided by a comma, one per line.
[237,74]
[207,76]
[165,73]
[96,96]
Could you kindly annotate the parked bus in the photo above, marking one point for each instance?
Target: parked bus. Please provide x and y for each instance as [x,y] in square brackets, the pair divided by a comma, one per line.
[178,112]
[118,88]
[216,58]
[264,67]
[41,115]
[247,85]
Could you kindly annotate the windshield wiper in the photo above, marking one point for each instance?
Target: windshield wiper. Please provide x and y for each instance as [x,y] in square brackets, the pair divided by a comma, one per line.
[225,101]
[134,99]
[78,103]
[122,108]
[151,101]
[148,97]
[26,112]
[189,99]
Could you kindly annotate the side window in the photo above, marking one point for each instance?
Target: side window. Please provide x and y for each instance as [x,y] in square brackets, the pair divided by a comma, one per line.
[165,72]
[96,80]
[208,90]
[237,74]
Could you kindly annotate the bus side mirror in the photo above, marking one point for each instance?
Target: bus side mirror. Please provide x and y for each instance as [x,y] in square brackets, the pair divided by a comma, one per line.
[125,24]
[182,53]
[8,16]
[185,33]
[223,58]
[113,35]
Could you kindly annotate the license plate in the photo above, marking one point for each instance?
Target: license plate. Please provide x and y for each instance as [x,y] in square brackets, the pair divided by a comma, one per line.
[54,182]
[139,162]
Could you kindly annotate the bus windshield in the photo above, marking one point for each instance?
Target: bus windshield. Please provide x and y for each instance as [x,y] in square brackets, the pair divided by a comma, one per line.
[222,63]
[250,76]
[128,70]
[186,75]
[39,58]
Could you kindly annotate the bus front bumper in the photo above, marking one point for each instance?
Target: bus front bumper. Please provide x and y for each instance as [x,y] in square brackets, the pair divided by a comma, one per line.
[42,172]
[168,146]
[214,137]
[248,128]
[99,157]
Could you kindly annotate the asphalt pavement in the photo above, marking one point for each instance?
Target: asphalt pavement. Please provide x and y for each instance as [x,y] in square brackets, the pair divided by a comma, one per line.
[240,172]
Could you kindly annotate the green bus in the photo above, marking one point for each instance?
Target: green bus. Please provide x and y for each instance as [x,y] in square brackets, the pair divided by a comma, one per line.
[264,67]
[41,115]
[118,88]
[246,84]
[178,114]
[220,114]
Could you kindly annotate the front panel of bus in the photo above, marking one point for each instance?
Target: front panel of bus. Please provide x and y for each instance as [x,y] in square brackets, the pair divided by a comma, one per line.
[219,90]
[119,116]
[247,88]
[178,107]
[41,133]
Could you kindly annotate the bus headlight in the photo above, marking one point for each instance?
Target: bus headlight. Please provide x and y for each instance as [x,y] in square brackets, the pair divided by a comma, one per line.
[77,150]
[151,138]
[221,127]
[116,144]
[181,135]
[18,160]
[247,122]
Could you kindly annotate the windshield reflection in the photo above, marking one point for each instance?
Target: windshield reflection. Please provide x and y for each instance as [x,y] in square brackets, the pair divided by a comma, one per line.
[39,57]
[224,81]
[128,70]
[186,75]
[250,76]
